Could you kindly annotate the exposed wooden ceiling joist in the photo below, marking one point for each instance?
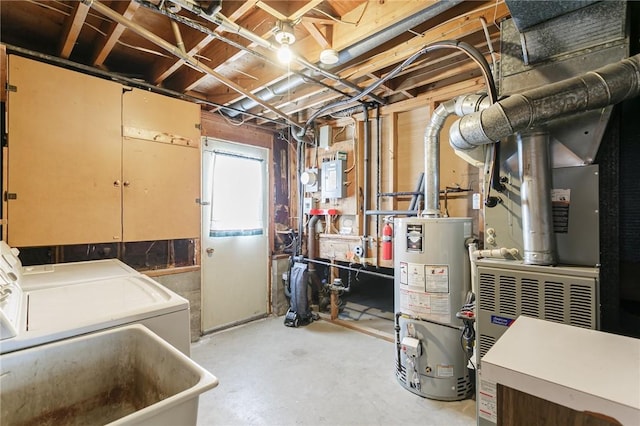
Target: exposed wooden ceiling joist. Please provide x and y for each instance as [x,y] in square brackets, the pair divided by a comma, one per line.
[72,28]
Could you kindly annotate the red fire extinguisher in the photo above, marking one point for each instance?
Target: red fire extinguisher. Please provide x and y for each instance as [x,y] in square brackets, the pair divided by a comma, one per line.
[387,240]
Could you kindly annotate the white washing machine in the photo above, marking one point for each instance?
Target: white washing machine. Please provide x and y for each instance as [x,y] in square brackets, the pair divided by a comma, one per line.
[46,313]
[52,275]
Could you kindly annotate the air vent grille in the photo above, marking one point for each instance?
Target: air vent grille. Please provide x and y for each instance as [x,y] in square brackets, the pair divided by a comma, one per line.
[530,297]
[486,342]
[487,292]
[554,301]
[508,296]
[554,294]
[580,306]
[463,386]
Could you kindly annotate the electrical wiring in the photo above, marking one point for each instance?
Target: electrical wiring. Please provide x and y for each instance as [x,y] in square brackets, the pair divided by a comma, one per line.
[466,48]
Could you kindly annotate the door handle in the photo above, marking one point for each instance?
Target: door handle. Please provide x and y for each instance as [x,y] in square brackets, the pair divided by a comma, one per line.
[210,251]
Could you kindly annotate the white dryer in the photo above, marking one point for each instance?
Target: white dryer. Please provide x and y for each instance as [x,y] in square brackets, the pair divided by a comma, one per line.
[47,313]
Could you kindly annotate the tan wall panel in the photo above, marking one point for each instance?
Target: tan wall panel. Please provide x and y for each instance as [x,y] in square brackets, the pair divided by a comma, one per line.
[161,185]
[410,151]
[161,114]
[161,180]
[64,156]
[217,127]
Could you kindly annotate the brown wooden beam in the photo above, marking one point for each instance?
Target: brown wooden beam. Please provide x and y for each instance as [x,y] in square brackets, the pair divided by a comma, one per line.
[113,33]
[72,28]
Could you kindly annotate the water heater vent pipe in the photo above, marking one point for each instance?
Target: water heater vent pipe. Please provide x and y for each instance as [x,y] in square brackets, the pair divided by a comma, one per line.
[461,105]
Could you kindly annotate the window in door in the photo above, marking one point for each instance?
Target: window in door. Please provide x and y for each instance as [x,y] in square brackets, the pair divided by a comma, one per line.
[237,195]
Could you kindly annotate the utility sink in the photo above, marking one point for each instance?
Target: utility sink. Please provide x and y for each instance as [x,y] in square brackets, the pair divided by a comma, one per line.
[122,376]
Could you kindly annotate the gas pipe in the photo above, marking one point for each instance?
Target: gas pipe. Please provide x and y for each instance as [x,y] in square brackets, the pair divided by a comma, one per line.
[387,241]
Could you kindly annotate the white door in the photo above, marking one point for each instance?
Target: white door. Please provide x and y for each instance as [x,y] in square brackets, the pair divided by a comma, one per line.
[235,239]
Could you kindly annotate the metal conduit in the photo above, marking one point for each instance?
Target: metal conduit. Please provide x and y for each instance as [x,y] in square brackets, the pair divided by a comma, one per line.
[148,35]
[281,87]
[205,30]
[462,46]
[358,49]
[596,89]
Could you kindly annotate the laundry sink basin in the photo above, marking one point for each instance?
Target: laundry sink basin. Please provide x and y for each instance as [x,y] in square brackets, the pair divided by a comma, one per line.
[122,376]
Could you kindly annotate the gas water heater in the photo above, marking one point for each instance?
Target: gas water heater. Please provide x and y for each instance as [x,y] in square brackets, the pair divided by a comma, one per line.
[431,283]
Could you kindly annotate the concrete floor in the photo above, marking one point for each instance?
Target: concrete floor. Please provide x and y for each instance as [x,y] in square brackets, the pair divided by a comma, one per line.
[320,374]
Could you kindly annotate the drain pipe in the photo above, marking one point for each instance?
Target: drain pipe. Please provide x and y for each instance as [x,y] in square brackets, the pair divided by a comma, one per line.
[596,89]
[535,194]
[461,105]
[366,184]
[311,251]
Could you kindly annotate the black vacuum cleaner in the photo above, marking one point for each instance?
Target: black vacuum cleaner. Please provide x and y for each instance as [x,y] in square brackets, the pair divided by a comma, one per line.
[299,312]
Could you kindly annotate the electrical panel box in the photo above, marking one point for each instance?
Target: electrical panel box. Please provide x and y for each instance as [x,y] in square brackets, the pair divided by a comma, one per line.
[333,179]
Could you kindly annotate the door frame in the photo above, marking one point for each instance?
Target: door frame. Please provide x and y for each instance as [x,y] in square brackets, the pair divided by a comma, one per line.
[269,228]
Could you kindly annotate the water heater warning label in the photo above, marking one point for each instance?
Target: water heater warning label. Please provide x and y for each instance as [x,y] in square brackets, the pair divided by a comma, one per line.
[437,278]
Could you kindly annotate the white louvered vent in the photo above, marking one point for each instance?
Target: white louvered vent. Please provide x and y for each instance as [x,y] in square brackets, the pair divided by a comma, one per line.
[530,297]
[507,291]
[487,286]
[486,342]
[580,306]
[554,301]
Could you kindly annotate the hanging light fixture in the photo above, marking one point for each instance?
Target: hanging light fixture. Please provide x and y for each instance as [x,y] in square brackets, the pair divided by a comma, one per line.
[286,37]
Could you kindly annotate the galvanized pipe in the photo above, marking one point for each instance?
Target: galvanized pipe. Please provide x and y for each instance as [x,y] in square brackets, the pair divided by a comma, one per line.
[356,50]
[281,87]
[596,89]
[461,105]
[148,35]
[535,195]
[432,158]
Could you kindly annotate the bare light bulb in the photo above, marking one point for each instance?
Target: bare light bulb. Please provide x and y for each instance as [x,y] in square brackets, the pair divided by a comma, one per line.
[284,54]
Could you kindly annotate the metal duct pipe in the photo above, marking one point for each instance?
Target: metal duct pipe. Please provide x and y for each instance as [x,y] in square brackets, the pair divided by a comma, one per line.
[432,158]
[148,35]
[535,195]
[278,88]
[461,105]
[404,25]
[350,53]
[596,89]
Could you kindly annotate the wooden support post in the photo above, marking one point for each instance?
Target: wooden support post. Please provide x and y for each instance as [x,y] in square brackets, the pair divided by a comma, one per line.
[334,304]
[333,273]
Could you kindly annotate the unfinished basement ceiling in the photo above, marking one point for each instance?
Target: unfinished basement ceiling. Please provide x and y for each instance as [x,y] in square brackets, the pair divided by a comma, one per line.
[235,63]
